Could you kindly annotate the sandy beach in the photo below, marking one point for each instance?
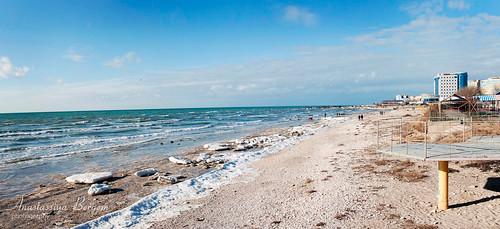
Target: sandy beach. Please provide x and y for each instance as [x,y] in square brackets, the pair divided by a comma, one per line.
[326,181]
[331,179]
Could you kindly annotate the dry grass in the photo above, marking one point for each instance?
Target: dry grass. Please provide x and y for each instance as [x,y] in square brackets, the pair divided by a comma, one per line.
[455,137]
[308,181]
[321,224]
[392,216]
[431,109]
[405,171]
[409,224]
[341,215]
[486,128]
[412,131]
[484,166]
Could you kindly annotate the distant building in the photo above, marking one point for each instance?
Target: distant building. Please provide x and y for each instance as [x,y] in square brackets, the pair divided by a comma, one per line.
[447,84]
[403,97]
[490,86]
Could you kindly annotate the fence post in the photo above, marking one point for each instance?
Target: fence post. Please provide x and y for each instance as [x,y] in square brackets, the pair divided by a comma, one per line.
[425,139]
[401,131]
[463,132]
[392,134]
[471,127]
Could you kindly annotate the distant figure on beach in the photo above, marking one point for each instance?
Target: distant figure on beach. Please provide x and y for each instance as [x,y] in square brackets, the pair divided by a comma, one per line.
[362,117]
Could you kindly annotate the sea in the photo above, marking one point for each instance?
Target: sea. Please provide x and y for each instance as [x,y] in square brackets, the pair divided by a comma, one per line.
[35,146]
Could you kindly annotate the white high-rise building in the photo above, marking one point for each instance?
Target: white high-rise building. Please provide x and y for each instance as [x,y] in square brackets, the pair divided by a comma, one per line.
[447,84]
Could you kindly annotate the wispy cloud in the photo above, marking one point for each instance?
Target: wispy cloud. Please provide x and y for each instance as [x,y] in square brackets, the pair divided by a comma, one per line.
[120,61]
[458,4]
[7,69]
[424,7]
[296,14]
[434,7]
[72,55]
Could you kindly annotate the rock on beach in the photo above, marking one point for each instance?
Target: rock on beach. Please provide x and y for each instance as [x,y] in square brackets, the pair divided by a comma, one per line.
[179,161]
[146,172]
[89,178]
[97,189]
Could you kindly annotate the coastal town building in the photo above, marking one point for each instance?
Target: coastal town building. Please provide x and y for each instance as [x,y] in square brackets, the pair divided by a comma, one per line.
[490,86]
[403,97]
[446,84]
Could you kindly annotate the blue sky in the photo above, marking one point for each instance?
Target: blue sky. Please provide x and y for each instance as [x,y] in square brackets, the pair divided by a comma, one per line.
[86,55]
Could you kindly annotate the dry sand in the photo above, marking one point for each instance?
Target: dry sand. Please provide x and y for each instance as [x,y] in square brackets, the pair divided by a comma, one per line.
[335,179]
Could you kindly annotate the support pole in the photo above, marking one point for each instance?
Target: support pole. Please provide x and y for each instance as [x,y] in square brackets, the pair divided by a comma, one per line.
[425,139]
[401,130]
[443,185]
[463,133]
[392,134]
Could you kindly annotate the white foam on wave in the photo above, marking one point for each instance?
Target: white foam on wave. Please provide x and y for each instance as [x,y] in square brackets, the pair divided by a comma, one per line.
[171,201]
[36,153]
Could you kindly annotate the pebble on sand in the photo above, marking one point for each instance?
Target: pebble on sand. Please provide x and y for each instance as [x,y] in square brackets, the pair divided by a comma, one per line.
[97,189]
[168,179]
[89,178]
[146,172]
[179,161]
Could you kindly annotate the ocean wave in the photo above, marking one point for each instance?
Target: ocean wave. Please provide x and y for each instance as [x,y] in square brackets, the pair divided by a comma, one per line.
[89,141]
[238,124]
[81,131]
[69,153]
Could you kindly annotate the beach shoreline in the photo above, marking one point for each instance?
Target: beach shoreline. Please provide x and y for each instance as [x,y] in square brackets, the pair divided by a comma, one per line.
[66,204]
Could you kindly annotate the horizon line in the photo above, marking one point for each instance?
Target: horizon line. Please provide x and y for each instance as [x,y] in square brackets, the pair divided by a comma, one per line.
[180,108]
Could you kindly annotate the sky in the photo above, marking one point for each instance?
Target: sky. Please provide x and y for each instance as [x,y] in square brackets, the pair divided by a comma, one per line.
[98,54]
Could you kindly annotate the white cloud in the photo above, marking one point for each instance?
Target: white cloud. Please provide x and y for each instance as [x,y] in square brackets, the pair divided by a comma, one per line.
[424,7]
[7,69]
[120,61]
[245,87]
[299,15]
[458,5]
[73,56]
[434,7]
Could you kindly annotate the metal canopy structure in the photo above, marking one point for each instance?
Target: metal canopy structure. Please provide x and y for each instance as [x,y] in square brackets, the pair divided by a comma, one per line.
[444,140]
[479,148]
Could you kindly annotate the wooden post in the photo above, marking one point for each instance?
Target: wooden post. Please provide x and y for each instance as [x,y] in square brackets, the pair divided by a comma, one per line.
[443,185]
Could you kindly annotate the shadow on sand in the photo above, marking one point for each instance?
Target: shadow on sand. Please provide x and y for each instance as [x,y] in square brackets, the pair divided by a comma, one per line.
[492,184]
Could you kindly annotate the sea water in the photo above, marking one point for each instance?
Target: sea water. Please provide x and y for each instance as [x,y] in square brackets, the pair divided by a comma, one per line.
[35,146]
